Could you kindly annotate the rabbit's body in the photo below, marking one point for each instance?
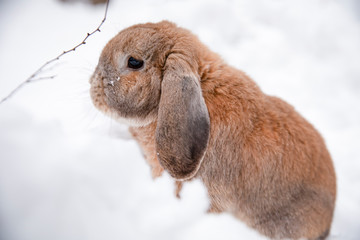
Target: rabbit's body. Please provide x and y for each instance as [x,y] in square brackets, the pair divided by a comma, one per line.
[259,159]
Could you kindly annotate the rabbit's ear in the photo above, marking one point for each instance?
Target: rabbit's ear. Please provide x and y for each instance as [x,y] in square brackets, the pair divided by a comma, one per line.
[183,124]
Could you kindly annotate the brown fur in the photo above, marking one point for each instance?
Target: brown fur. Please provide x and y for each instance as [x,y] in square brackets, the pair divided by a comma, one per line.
[260,160]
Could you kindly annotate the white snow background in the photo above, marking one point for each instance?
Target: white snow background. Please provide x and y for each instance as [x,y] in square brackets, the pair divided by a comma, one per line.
[69,173]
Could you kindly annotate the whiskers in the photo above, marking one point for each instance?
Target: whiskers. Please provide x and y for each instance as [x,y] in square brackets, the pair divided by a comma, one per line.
[118,130]
[86,117]
[93,121]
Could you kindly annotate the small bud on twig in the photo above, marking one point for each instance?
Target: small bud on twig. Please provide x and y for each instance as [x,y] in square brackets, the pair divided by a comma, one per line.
[42,67]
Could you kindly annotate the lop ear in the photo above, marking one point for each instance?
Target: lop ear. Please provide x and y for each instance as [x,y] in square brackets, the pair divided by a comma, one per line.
[183,125]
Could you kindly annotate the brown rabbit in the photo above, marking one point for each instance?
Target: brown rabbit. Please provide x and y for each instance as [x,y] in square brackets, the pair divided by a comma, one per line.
[197,117]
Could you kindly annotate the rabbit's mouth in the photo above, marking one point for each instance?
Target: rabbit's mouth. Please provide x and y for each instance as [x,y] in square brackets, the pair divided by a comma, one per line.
[104,98]
[98,95]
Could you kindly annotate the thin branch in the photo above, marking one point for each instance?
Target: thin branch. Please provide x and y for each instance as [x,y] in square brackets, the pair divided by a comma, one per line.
[43,78]
[32,78]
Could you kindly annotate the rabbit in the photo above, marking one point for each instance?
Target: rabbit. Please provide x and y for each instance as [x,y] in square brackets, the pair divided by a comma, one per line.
[196,117]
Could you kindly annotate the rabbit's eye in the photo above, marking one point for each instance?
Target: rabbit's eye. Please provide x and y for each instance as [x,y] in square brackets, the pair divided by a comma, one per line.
[134,63]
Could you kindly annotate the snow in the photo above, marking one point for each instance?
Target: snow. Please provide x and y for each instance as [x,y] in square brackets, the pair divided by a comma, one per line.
[68,172]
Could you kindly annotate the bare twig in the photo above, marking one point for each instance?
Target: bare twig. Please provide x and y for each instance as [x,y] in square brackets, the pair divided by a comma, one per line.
[32,78]
[43,78]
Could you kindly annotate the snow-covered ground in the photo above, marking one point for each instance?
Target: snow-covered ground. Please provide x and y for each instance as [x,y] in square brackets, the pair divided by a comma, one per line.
[69,173]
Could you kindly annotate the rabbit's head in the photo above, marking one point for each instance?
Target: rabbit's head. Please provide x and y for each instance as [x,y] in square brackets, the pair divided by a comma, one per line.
[148,73]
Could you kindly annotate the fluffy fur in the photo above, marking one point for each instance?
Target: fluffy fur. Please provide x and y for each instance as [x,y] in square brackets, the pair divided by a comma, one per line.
[197,117]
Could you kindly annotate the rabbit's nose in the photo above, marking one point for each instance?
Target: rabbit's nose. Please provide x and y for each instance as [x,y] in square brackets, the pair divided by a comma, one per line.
[95,77]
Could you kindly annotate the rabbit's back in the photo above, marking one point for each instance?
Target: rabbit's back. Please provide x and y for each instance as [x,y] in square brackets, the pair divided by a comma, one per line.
[266,163]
